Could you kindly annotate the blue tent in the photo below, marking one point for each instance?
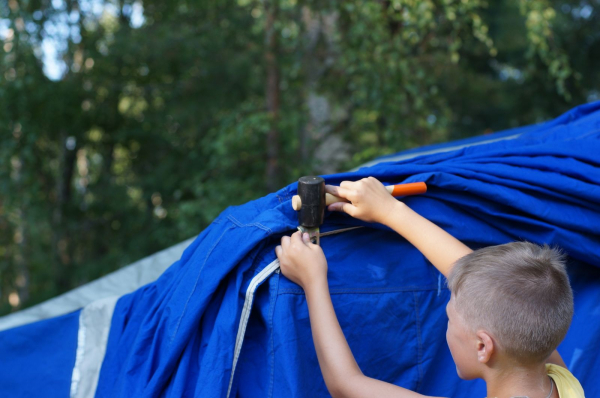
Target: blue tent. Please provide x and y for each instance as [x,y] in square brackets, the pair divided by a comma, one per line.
[222,321]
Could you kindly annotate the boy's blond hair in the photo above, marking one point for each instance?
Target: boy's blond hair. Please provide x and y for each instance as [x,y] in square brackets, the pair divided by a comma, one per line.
[519,293]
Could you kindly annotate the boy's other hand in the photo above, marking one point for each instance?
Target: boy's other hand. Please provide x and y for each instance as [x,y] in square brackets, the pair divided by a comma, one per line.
[301,261]
[370,201]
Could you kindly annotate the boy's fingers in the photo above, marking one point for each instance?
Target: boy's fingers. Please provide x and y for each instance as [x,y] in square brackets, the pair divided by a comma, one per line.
[348,208]
[339,191]
[296,237]
[343,207]
[278,251]
[306,238]
[285,242]
[335,206]
[347,184]
[332,189]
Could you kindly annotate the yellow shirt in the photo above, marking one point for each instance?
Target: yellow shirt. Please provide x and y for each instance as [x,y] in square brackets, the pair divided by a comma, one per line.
[566,384]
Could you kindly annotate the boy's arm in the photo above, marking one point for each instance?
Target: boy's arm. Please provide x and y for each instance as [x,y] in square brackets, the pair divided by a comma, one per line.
[371,202]
[440,248]
[304,263]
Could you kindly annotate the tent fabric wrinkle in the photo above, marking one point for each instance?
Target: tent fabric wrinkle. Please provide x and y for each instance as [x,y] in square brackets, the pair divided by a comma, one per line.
[221,321]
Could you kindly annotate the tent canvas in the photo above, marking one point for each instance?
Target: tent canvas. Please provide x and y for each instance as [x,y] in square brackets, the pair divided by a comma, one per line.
[148,269]
[222,321]
[124,280]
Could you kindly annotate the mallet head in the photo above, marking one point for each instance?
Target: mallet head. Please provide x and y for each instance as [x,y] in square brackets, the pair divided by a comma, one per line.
[311,191]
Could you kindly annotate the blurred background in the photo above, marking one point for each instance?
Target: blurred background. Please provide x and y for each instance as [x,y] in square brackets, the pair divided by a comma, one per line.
[127,126]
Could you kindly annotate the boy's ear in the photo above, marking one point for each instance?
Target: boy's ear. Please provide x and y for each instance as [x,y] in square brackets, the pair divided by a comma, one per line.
[485,346]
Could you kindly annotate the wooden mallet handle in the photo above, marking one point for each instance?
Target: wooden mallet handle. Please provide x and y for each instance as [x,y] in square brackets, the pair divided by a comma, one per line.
[413,188]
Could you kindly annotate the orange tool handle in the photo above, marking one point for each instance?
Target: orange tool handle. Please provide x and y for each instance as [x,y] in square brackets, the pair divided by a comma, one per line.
[413,188]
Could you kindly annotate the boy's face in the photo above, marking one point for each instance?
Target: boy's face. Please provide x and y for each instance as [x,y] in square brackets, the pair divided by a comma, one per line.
[462,343]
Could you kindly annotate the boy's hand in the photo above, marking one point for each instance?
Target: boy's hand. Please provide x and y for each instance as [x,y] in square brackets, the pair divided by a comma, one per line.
[371,202]
[301,261]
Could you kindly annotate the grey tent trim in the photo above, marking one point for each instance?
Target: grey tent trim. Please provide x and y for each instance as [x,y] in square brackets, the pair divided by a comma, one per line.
[94,326]
[118,283]
[245,316]
[431,152]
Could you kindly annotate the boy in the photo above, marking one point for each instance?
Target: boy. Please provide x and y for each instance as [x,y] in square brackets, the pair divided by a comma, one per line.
[510,305]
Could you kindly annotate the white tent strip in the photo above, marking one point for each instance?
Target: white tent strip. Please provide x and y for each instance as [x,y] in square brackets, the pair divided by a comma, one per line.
[92,338]
[118,283]
[254,283]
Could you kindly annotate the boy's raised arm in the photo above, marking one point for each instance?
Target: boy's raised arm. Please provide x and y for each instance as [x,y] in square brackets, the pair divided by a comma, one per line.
[372,203]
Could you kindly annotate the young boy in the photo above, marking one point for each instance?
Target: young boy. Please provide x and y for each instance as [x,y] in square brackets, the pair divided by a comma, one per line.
[510,305]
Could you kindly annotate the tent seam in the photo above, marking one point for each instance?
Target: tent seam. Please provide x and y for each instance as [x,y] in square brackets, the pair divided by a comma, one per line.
[256,224]
[272,351]
[196,285]
[419,342]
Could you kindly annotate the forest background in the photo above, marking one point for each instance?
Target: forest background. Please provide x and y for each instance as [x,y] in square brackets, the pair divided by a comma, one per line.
[126,126]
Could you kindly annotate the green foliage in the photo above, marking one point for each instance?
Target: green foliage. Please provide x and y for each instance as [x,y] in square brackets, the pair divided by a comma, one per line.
[155,127]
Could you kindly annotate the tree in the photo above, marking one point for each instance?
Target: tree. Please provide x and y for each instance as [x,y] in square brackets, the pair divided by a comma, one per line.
[166,113]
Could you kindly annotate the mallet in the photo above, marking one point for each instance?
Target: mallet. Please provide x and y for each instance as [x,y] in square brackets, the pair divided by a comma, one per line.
[312,200]
[413,188]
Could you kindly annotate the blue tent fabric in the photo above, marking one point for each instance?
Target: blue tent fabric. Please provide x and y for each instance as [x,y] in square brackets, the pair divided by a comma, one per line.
[178,336]
[37,360]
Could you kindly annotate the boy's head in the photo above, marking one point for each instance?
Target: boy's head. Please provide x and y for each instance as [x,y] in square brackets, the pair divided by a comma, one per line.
[518,293]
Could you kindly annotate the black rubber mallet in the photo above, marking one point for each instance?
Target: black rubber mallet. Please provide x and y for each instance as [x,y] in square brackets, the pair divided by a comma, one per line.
[312,200]
[311,194]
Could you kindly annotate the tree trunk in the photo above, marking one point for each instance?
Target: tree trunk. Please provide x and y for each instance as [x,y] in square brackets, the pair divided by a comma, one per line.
[312,26]
[17,163]
[19,238]
[272,95]
[63,196]
[320,147]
